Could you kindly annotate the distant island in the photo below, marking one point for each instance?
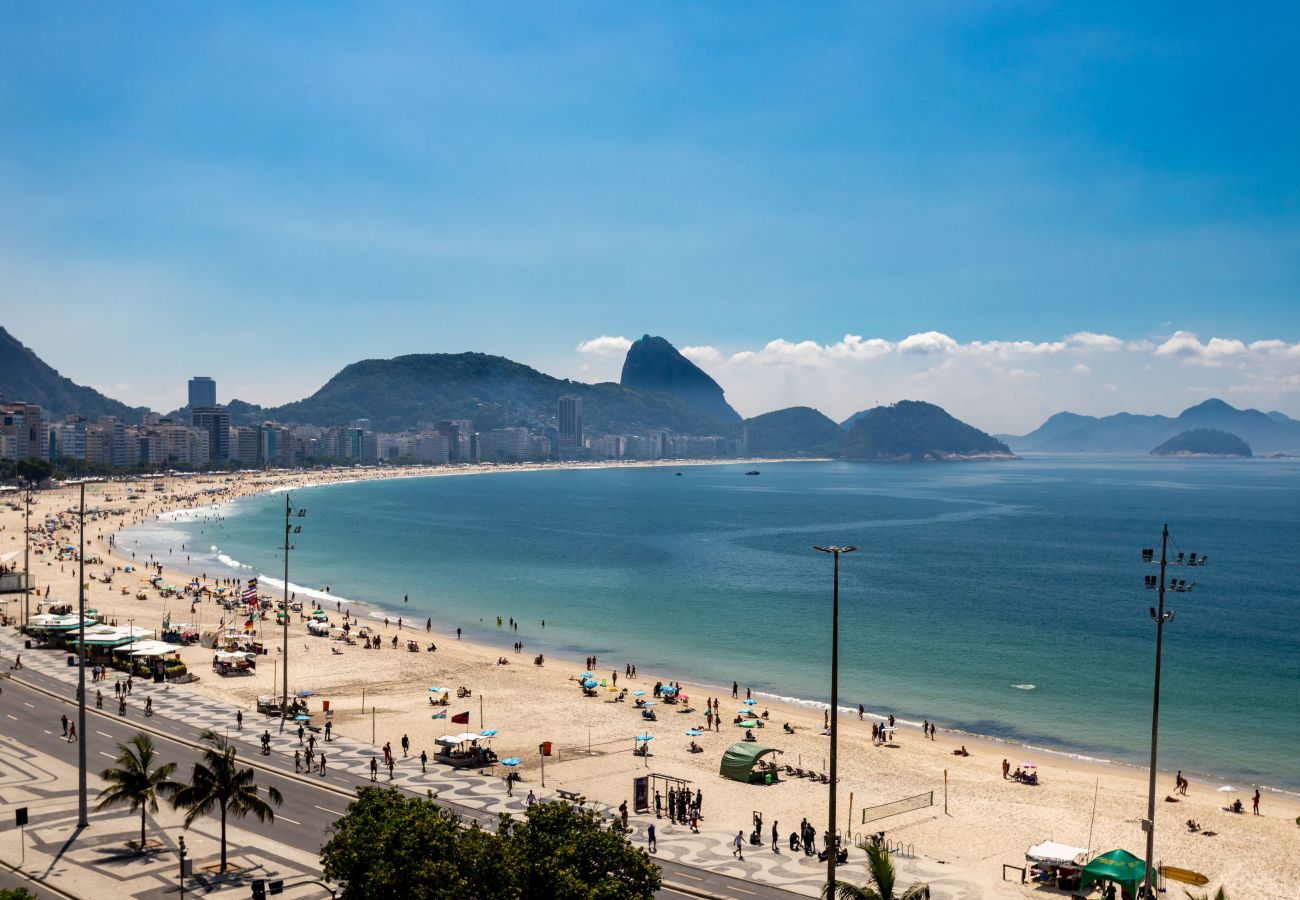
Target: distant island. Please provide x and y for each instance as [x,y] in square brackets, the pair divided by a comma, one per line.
[1203,442]
[912,430]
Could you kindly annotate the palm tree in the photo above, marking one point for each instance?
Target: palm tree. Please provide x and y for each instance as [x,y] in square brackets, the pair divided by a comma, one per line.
[218,782]
[880,871]
[136,782]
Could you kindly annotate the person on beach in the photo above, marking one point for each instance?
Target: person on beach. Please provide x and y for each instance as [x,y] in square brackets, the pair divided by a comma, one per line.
[861,712]
[738,845]
[1006,767]
[457,634]
[735,690]
[650,838]
[1254,800]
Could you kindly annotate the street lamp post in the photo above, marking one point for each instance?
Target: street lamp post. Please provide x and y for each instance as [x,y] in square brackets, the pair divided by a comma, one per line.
[1160,616]
[289,529]
[27,547]
[832,845]
[83,818]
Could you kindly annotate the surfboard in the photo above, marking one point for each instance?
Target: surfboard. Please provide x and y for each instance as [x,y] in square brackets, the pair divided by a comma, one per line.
[1186,876]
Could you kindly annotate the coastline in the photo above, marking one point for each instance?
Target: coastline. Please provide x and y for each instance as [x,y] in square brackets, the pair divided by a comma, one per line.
[532,703]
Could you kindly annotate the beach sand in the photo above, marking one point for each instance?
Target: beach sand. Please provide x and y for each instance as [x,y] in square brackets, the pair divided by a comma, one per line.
[989,821]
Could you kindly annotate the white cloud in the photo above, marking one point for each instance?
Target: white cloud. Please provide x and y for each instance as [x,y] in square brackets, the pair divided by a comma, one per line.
[605,345]
[927,343]
[998,385]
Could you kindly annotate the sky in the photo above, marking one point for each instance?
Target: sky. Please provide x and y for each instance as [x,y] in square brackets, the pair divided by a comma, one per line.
[1008,209]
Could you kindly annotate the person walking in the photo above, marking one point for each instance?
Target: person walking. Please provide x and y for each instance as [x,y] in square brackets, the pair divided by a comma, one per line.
[532,798]
[329,726]
[301,731]
[650,838]
[424,762]
[735,690]
[622,813]
[776,837]
[861,712]
[72,739]
[297,760]
[322,764]
[738,846]
[239,720]
[65,725]
[374,769]
[391,762]
[406,745]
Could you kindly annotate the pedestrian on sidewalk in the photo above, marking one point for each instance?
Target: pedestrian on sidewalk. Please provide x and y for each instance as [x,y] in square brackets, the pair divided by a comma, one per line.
[374,769]
[424,761]
[322,765]
[532,798]
[650,838]
[622,812]
[297,760]
[239,720]
[301,731]
[738,846]
[329,726]
[776,837]
[390,768]
[406,745]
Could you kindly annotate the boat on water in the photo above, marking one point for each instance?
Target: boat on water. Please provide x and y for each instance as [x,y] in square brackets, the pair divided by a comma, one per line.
[679,474]
[753,472]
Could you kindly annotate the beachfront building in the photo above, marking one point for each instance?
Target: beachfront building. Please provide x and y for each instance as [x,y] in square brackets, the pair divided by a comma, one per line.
[245,444]
[203,391]
[162,442]
[215,420]
[275,446]
[22,431]
[504,443]
[751,441]
[106,443]
[570,421]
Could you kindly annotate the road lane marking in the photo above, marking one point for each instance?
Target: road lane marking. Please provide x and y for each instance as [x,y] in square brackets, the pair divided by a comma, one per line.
[15,718]
[104,734]
[287,819]
[743,891]
[29,705]
[332,812]
[109,755]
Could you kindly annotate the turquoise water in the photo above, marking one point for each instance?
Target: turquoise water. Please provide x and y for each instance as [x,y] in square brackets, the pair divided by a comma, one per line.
[1001,598]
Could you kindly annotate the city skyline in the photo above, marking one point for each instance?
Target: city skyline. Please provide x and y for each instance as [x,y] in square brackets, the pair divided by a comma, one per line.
[757,188]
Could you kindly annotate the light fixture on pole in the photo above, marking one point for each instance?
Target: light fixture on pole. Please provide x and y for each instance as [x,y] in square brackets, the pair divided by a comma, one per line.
[83,819]
[832,842]
[1160,616]
[27,547]
[289,529]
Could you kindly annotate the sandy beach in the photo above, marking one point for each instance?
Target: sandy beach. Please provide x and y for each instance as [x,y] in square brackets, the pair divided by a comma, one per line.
[989,820]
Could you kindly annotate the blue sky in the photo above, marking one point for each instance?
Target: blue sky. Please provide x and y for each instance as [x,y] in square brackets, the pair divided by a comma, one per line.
[268,192]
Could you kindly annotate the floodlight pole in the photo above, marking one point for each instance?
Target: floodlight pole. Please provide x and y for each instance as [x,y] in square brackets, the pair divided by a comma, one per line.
[83,819]
[284,696]
[831,851]
[1155,712]
[27,547]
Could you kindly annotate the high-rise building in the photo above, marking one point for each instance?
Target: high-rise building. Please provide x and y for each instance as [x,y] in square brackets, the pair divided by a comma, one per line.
[215,420]
[203,391]
[570,423]
[23,428]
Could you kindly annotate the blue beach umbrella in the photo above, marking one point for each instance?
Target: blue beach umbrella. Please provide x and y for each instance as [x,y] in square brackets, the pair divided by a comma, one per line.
[301,718]
[645,737]
[491,732]
[437,690]
[668,690]
[590,683]
[510,761]
[648,703]
[638,693]
[750,702]
[585,675]
[693,732]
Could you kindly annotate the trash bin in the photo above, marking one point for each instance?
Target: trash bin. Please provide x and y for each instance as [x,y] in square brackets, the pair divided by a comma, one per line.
[27,645]
[72,660]
[767,778]
[546,748]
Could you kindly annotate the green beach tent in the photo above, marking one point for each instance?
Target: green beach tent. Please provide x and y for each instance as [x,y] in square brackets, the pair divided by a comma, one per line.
[1118,866]
[739,759]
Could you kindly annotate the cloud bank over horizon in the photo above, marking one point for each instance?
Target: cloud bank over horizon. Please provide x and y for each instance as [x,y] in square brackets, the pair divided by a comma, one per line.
[1005,386]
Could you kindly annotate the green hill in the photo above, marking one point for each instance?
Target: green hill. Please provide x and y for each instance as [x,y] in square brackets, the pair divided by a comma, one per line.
[1203,442]
[913,430]
[492,391]
[797,431]
[25,377]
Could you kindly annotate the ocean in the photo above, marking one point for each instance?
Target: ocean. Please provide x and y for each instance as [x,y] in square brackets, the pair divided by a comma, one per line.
[1002,598]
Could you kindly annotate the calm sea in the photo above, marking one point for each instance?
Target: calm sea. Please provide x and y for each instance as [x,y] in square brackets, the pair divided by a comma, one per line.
[1005,599]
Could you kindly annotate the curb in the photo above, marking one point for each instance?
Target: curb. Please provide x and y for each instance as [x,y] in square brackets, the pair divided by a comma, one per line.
[44,885]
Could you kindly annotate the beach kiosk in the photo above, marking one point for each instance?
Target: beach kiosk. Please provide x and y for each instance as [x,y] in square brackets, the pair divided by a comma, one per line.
[1119,866]
[739,760]
[1056,865]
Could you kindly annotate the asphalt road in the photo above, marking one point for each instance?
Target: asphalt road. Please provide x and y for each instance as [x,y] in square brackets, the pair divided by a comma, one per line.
[309,808]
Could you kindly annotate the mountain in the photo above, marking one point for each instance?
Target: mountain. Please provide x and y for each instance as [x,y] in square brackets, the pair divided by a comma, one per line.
[913,430]
[797,431]
[25,377]
[1128,433]
[653,364]
[1203,442]
[494,392]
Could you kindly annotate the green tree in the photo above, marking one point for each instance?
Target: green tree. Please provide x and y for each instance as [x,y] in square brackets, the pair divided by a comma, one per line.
[569,853]
[34,470]
[880,882]
[18,893]
[218,782]
[1218,895]
[136,781]
[390,845]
